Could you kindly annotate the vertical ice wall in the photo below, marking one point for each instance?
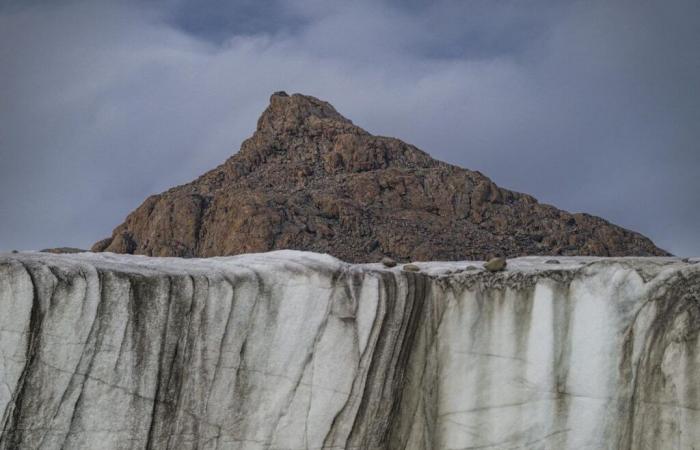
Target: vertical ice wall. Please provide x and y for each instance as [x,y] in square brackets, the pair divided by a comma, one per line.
[292,350]
[278,351]
[595,355]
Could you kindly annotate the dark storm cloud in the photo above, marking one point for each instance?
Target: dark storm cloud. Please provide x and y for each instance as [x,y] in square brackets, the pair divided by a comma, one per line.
[591,106]
[218,20]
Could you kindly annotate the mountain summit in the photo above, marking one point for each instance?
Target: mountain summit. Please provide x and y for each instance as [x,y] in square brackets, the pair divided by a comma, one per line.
[310,179]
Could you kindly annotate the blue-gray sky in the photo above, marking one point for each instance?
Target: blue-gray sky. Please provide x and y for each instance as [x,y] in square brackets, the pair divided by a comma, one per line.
[589,105]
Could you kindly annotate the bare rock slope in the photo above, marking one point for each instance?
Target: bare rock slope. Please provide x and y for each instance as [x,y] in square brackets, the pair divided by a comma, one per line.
[293,350]
[309,179]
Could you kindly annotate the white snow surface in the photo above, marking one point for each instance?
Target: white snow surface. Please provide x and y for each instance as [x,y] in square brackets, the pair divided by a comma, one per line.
[296,350]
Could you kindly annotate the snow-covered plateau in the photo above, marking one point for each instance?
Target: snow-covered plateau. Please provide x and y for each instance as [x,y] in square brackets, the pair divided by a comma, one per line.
[295,350]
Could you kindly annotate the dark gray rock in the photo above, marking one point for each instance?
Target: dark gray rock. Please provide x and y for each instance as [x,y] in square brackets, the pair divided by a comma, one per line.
[60,250]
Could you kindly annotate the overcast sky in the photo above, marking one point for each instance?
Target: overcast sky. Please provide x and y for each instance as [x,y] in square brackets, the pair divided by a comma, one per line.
[591,106]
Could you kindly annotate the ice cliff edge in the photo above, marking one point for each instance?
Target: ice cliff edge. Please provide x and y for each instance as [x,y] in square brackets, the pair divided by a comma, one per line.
[295,350]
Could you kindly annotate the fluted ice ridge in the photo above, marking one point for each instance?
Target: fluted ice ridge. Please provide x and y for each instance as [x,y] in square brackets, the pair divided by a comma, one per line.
[294,350]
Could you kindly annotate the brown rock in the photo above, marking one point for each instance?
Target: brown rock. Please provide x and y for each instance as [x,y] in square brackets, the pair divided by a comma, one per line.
[411,268]
[309,179]
[388,262]
[100,246]
[495,264]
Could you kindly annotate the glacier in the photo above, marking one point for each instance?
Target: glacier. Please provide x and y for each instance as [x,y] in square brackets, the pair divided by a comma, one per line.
[296,350]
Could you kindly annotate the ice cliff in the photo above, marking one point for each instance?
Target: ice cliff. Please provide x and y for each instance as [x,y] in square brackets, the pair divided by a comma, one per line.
[292,350]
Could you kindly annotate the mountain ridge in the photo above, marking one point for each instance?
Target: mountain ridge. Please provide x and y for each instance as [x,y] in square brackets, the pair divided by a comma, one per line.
[309,179]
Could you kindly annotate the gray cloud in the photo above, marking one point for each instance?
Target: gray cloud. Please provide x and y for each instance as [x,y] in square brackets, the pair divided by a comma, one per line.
[591,106]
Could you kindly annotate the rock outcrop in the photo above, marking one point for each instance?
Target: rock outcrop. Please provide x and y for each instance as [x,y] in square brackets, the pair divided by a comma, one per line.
[59,250]
[309,179]
[291,350]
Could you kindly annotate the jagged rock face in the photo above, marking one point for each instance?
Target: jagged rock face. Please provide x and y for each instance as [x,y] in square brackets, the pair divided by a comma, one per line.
[309,179]
[292,350]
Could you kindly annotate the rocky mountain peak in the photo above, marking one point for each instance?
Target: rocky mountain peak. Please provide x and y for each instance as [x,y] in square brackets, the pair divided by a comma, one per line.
[302,134]
[289,113]
[309,179]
